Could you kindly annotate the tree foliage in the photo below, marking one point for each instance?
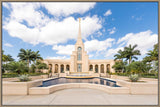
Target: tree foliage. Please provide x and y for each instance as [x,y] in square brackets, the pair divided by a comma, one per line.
[130,53]
[17,67]
[138,67]
[119,66]
[28,55]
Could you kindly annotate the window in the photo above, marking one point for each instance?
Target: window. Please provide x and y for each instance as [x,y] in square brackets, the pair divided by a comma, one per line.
[79,57]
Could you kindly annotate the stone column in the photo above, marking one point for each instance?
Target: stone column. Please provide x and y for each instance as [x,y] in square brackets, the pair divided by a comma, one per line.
[53,67]
[64,67]
[99,68]
[93,68]
[59,68]
[105,69]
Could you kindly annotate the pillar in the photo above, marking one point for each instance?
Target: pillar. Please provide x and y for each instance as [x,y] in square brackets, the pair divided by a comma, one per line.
[93,68]
[105,69]
[64,67]
[99,68]
[59,68]
[53,67]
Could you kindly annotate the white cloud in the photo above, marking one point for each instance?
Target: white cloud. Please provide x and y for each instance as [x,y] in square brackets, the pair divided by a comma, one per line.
[64,50]
[90,46]
[15,29]
[23,24]
[6,5]
[137,18]
[112,31]
[91,55]
[54,32]
[68,8]
[27,12]
[108,13]
[57,57]
[8,45]
[145,40]
[95,45]
[111,52]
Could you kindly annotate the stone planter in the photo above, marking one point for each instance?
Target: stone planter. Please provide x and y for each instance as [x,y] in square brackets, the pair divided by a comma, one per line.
[114,76]
[18,88]
[62,75]
[144,87]
[44,76]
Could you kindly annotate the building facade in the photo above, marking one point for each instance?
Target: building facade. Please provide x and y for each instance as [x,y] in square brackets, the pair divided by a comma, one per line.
[79,62]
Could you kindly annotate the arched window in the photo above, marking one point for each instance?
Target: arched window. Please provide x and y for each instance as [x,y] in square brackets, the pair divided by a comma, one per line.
[56,68]
[108,68]
[67,68]
[102,68]
[96,68]
[79,55]
[62,68]
[91,67]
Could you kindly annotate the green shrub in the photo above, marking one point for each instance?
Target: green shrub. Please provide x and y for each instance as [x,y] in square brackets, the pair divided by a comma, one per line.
[24,77]
[150,75]
[9,75]
[123,74]
[134,77]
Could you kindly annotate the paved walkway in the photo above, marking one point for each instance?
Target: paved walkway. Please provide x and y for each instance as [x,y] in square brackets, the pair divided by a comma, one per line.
[81,97]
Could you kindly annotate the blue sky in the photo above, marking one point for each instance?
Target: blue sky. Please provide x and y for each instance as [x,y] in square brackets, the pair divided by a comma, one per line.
[52,27]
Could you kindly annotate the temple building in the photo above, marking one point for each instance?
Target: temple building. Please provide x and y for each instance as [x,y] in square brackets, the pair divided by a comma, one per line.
[79,62]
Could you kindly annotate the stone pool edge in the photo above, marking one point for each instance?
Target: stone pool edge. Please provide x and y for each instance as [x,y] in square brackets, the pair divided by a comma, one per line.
[53,88]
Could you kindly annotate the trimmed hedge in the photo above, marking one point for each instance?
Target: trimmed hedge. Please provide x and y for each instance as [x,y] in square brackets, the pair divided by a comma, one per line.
[144,75]
[12,75]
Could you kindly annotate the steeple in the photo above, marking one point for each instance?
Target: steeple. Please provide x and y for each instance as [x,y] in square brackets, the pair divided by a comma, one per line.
[79,40]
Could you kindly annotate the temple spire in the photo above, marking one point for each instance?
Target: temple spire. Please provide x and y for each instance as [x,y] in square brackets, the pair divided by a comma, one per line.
[79,40]
[79,34]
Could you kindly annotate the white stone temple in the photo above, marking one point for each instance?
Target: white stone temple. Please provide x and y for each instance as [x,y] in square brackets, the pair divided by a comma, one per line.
[79,62]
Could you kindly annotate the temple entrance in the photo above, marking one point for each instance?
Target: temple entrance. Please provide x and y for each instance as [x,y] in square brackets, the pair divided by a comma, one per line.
[79,68]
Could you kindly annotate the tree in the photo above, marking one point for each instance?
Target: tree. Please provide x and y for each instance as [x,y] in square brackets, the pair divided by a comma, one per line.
[42,66]
[153,54]
[9,58]
[36,56]
[17,67]
[120,55]
[26,55]
[6,58]
[152,58]
[33,68]
[119,66]
[130,52]
[38,65]
[138,67]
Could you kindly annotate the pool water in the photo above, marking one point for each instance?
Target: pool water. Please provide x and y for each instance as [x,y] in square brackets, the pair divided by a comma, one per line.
[95,80]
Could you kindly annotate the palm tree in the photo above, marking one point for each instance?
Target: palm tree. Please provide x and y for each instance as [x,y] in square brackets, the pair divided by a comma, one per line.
[9,58]
[42,66]
[17,67]
[130,52]
[26,55]
[153,54]
[36,56]
[6,58]
[119,66]
[120,55]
